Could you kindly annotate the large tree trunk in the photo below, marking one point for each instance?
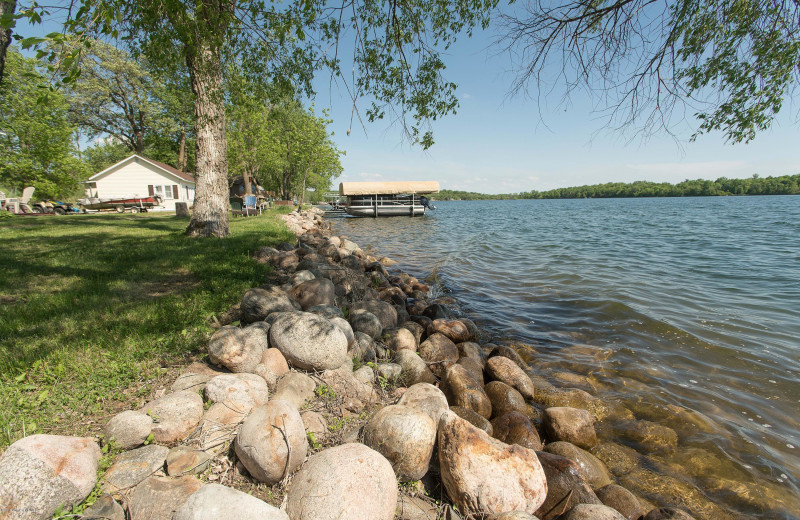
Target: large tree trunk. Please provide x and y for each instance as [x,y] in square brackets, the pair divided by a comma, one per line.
[210,215]
[182,151]
[6,7]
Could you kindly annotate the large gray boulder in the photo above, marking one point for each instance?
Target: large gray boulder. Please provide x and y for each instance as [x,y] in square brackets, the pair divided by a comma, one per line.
[259,303]
[439,352]
[128,429]
[383,310]
[414,368]
[405,436]
[238,350]
[482,474]
[175,415]
[272,441]
[39,473]
[318,291]
[309,341]
[574,425]
[217,502]
[132,467]
[246,389]
[365,322]
[500,368]
[426,398]
[157,498]
[296,388]
[350,481]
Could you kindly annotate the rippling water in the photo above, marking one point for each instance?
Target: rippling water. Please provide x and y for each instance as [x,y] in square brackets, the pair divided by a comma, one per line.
[693,302]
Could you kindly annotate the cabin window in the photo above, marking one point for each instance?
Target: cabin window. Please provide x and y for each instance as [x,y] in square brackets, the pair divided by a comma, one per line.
[165,192]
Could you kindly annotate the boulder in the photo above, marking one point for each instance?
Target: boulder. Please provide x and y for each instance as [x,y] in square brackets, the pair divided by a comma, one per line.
[365,374]
[183,460]
[104,508]
[436,311]
[512,515]
[296,388]
[158,498]
[365,322]
[650,436]
[345,327]
[667,513]
[315,423]
[400,338]
[593,471]
[618,459]
[475,419]
[216,502]
[469,349]
[238,350]
[425,398]
[405,436]
[308,341]
[247,389]
[563,480]
[272,441]
[573,425]
[439,352]
[318,291]
[482,474]
[39,473]
[504,399]
[503,369]
[259,303]
[592,512]
[191,381]
[175,415]
[326,311]
[473,332]
[621,500]
[383,310]
[415,508]
[508,352]
[462,390]
[515,428]
[389,371]
[128,429]
[416,329]
[474,367]
[415,369]
[301,276]
[455,330]
[350,481]
[132,467]
[272,366]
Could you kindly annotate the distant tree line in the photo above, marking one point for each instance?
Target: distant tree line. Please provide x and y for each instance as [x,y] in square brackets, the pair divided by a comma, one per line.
[755,185]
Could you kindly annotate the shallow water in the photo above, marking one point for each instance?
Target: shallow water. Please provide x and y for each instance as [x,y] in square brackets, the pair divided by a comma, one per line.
[691,308]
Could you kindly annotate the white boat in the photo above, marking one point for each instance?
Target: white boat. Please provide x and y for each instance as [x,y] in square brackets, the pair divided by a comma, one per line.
[387,199]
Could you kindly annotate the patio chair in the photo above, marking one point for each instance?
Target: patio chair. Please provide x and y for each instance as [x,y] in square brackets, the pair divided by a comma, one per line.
[251,206]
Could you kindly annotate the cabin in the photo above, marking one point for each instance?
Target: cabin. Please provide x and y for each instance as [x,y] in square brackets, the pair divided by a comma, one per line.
[387,199]
[139,176]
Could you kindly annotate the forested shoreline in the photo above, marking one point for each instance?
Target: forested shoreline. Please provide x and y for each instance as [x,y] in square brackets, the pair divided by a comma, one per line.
[755,185]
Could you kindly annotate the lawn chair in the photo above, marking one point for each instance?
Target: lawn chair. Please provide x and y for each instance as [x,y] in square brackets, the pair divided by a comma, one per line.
[251,206]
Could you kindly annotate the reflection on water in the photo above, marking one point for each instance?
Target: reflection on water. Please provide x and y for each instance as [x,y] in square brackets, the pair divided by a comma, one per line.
[687,310]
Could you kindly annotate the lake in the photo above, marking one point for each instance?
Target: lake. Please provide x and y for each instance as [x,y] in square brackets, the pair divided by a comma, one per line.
[689,304]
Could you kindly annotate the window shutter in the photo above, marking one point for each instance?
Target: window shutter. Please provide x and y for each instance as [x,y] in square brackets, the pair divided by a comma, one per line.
[151,190]
[175,193]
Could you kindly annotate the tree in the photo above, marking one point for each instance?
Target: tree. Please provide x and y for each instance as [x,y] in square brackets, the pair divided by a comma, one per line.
[117,96]
[395,59]
[7,8]
[36,144]
[733,61]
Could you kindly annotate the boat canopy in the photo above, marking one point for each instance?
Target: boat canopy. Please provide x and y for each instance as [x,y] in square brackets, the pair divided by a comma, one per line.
[388,188]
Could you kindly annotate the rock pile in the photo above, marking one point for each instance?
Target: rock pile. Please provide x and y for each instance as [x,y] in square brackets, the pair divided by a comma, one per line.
[333,383]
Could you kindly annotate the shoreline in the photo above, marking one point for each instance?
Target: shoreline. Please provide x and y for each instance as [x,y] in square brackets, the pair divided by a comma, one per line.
[340,404]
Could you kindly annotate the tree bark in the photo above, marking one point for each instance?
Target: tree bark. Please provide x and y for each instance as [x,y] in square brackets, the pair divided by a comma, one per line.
[210,215]
[6,7]
[182,152]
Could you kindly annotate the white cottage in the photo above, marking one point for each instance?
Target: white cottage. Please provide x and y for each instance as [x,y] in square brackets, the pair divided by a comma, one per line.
[138,176]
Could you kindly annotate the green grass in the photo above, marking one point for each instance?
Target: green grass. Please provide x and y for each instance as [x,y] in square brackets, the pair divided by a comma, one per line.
[94,308]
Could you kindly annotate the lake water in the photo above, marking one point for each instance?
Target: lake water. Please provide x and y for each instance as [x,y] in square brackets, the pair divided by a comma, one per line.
[689,303]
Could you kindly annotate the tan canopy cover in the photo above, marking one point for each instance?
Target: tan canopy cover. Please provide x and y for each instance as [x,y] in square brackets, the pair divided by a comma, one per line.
[387,188]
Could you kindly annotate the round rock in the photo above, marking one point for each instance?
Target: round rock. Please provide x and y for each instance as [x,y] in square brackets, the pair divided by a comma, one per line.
[216,502]
[455,330]
[503,369]
[259,303]
[318,291]
[349,481]
[238,350]
[272,441]
[475,419]
[504,399]
[129,429]
[439,352]
[593,471]
[175,415]
[415,369]
[462,390]
[132,467]
[573,425]
[426,398]
[309,341]
[592,512]
[400,338]
[515,428]
[383,310]
[246,389]
[482,474]
[620,499]
[365,322]
[405,436]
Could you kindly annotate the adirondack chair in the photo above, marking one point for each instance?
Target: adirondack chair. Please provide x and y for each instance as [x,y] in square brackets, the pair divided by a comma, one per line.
[19,204]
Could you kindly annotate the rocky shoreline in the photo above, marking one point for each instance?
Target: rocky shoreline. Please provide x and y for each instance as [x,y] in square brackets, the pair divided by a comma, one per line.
[340,390]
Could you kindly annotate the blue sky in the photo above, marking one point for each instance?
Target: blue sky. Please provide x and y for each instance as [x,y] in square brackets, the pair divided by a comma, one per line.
[501,144]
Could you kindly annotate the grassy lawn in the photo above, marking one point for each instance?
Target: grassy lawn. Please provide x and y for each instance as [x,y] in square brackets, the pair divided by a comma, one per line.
[94,309]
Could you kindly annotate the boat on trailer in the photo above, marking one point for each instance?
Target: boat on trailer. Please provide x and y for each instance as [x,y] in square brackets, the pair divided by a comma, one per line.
[387,199]
[120,204]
